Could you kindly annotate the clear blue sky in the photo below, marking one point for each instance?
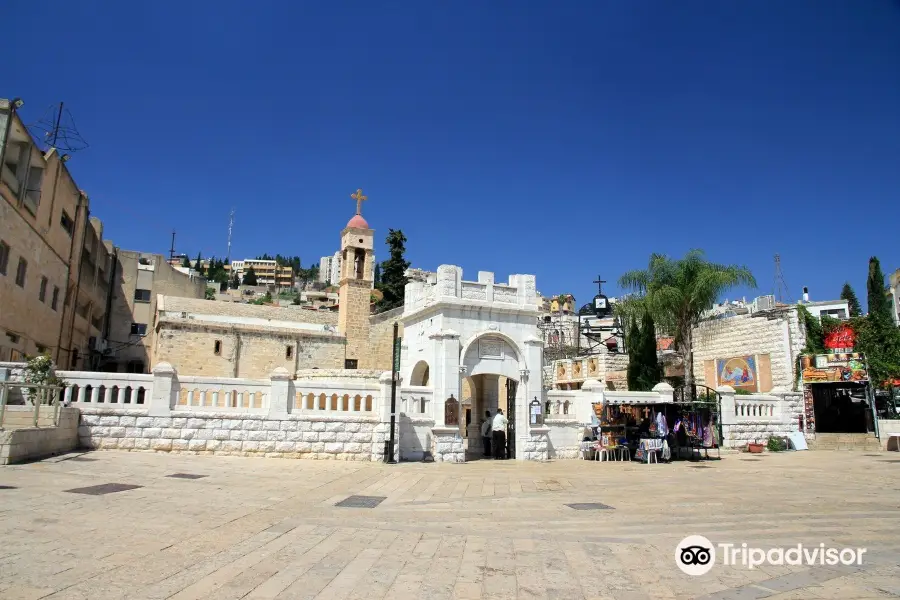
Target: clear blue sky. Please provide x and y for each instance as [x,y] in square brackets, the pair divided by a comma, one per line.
[561,139]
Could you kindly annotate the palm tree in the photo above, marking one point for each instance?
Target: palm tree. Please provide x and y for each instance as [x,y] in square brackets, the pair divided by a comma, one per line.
[677,292]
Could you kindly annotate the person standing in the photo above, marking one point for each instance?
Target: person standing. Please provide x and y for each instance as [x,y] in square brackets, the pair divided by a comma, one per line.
[486,431]
[498,425]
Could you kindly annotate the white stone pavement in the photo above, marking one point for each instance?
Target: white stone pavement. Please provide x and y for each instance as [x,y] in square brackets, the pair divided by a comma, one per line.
[269,528]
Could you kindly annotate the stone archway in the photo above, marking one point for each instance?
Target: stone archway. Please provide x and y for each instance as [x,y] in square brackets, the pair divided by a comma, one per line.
[420,375]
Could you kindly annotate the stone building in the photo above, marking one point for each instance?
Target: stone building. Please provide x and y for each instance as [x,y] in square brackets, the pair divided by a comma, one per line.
[139,279]
[223,339]
[766,344]
[54,270]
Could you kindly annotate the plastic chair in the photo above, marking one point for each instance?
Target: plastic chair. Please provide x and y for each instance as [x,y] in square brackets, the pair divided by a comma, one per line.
[602,453]
[625,453]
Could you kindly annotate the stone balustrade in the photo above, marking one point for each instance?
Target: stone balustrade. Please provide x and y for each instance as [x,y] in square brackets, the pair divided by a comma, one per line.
[415,400]
[756,407]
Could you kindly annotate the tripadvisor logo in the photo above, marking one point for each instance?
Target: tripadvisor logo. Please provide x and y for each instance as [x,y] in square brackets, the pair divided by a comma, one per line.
[696,555]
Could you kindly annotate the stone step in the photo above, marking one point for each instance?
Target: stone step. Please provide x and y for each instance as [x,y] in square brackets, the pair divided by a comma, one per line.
[845,441]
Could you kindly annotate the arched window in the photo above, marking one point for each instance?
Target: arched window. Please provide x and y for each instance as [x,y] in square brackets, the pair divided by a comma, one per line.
[420,374]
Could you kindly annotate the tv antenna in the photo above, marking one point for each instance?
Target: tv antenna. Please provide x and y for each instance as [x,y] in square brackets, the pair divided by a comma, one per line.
[57,130]
[781,288]
[230,225]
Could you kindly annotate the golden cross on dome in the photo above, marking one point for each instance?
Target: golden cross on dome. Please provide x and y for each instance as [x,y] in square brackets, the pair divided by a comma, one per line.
[358,196]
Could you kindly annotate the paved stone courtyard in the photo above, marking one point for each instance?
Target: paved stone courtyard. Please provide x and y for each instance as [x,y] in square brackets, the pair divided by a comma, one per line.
[269,528]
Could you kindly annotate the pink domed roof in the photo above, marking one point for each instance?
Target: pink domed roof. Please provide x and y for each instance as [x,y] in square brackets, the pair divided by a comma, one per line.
[358,222]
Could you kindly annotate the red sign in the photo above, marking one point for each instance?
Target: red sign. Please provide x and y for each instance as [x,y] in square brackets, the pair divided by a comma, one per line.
[842,337]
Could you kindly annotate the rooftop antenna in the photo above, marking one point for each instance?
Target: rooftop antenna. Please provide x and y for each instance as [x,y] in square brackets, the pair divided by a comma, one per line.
[230,225]
[57,129]
[172,249]
[781,288]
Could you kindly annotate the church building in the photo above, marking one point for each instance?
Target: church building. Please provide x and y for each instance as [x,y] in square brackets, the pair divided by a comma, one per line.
[225,339]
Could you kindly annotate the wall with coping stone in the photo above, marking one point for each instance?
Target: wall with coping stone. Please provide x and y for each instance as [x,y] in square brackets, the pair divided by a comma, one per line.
[331,437]
[447,445]
[886,427]
[536,444]
[415,436]
[739,432]
[564,437]
[19,445]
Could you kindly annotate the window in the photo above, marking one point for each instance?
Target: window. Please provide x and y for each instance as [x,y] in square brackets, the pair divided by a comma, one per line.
[134,366]
[289,352]
[67,223]
[4,257]
[217,347]
[138,329]
[12,337]
[21,271]
[141,295]
[350,363]
[42,293]
[55,301]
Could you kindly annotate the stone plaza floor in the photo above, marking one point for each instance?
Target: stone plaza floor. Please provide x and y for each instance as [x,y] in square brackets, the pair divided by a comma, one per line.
[270,528]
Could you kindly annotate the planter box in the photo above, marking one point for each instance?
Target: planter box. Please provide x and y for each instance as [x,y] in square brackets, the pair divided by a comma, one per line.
[755,448]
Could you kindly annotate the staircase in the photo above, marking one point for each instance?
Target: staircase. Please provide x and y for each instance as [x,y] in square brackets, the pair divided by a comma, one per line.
[866,442]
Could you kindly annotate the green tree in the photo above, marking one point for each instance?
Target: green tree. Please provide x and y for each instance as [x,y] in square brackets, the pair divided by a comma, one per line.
[877,298]
[633,342]
[198,265]
[644,370]
[249,277]
[393,272]
[235,281]
[185,262]
[377,275]
[849,295]
[879,339]
[210,293]
[676,292]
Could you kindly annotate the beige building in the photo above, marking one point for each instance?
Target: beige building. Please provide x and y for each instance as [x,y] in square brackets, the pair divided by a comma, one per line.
[139,279]
[53,268]
[268,272]
[227,339]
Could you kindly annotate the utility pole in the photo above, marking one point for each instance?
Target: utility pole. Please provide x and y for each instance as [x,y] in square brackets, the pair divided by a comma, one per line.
[172,249]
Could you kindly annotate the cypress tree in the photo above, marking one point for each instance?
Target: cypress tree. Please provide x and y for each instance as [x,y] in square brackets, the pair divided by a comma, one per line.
[393,272]
[651,373]
[849,295]
[877,298]
[634,343]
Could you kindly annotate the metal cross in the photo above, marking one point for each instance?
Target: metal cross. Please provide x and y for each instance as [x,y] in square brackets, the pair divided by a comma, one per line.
[599,283]
[358,196]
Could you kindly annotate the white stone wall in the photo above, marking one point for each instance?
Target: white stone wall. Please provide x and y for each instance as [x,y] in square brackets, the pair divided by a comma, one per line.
[563,438]
[330,437]
[415,436]
[447,446]
[536,445]
[886,427]
[780,337]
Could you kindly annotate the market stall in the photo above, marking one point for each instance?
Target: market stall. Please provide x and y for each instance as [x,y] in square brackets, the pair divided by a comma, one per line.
[650,430]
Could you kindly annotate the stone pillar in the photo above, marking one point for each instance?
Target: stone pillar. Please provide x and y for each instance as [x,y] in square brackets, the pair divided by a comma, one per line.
[666,392]
[446,371]
[727,418]
[592,392]
[530,387]
[280,398]
[165,384]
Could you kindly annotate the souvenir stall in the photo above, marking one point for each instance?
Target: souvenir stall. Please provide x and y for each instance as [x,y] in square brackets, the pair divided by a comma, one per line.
[622,429]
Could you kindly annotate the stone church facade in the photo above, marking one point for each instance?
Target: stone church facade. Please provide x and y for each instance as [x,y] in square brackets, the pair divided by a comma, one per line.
[223,339]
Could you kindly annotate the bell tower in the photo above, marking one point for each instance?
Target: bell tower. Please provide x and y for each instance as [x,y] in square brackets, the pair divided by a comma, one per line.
[356,283]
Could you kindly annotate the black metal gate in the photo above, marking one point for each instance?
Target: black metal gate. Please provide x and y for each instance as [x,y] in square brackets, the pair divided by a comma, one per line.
[511,386]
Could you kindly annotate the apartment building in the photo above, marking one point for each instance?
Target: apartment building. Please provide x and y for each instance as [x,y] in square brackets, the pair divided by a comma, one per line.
[268,272]
[330,268]
[139,278]
[53,272]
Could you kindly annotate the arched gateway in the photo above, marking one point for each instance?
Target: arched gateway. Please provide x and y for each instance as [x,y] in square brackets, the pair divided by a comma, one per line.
[478,341]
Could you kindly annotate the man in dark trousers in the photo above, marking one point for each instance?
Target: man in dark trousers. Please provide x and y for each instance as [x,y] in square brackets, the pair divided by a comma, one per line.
[487,428]
[499,430]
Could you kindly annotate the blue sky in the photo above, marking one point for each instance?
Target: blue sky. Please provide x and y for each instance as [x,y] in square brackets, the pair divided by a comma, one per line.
[563,139]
